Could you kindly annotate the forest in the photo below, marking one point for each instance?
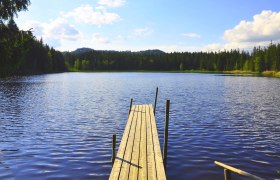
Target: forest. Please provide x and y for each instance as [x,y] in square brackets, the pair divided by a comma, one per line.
[20,52]
[259,60]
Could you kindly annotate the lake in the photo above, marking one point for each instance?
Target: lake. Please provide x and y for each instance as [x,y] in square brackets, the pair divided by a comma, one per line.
[59,126]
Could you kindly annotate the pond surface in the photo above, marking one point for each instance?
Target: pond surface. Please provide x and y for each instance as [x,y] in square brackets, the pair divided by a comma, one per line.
[59,126]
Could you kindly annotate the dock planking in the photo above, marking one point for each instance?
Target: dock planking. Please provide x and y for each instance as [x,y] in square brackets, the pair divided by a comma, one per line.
[139,155]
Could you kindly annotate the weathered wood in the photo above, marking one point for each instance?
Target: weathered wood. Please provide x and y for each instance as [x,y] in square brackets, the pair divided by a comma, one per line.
[238,171]
[227,174]
[157,152]
[113,148]
[143,147]
[120,155]
[134,167]
[139,155]
[155,105]
[166,133]
[152,174]
[126,161]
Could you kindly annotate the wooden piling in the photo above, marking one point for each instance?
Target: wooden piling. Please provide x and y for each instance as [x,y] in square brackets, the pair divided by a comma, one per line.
[131,100]
[229,169]
[166,133]
[227,174]
[155,105]
[113,149]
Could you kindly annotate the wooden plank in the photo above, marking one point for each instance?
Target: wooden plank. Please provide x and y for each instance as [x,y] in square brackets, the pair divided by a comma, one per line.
[120,155]
[238,171]
[134,166]
[152,174]
[124,172]
[158,156]
[143,147]
[139,155]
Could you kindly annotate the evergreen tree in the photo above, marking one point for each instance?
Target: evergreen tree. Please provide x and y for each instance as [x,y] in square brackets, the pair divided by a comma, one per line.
[10,8]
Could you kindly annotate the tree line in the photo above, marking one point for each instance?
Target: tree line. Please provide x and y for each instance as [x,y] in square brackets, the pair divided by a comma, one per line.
[259,60]
[20,52]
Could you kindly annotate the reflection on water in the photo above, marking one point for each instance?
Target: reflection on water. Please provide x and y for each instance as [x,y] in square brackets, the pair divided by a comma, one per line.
[59,126]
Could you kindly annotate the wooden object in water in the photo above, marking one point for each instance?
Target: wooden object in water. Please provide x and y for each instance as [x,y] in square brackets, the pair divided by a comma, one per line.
[139,155]
[229,169]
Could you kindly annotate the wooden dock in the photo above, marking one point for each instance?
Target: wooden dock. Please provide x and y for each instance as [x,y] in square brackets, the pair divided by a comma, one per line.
[139,155]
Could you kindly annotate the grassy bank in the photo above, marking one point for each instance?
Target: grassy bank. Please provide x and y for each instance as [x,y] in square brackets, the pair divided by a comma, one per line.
[235,72]
[239,72]
[271,73]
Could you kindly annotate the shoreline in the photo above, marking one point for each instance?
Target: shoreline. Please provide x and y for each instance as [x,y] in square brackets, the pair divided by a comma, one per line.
[234,72]
[273,74]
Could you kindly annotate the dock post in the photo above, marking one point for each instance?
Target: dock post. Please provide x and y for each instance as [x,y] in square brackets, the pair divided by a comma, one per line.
[166,133]
[227,174]
[113,149]
[131,100]
[155,105]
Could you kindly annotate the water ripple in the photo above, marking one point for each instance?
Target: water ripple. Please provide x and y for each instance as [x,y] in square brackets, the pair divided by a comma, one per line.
[59,126]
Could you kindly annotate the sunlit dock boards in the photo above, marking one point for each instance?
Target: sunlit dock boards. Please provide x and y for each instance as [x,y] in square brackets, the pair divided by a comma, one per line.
[139,155]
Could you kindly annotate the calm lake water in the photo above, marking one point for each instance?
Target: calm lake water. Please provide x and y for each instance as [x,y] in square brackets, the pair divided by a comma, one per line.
[59,126]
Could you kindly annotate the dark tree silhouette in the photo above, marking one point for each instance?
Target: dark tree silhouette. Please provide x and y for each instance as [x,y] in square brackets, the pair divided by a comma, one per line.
[259,60]
[10,8]
[21,53]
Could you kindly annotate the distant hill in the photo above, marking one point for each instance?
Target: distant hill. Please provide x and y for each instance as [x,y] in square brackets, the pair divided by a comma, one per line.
[152,51]
[147,52]
[82,50]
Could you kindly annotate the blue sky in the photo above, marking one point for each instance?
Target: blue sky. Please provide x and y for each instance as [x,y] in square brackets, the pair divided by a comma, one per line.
[180,25]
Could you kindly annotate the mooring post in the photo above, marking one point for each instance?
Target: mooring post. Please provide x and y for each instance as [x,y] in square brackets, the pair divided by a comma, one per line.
[155,105]
[166,133]
[113,149]
[131,100]
[227,174]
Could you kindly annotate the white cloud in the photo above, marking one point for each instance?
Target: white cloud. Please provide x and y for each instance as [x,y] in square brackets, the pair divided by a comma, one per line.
[95,16]
[53,32]
[35,26]
[264,27]
[143,31]
[98,39]
[248,34]
[177,48]
[248,46]
[60,29]
[191,35]
[111,3]
[212,47]
[59,33]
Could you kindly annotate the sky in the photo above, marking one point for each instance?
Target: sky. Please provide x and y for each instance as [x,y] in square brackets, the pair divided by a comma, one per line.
[181,25]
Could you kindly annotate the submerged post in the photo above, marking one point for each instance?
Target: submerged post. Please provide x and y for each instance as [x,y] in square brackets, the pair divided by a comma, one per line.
[229,169]
[113,149]
[131,100]
[155,105]
[166,133]
[227,174]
